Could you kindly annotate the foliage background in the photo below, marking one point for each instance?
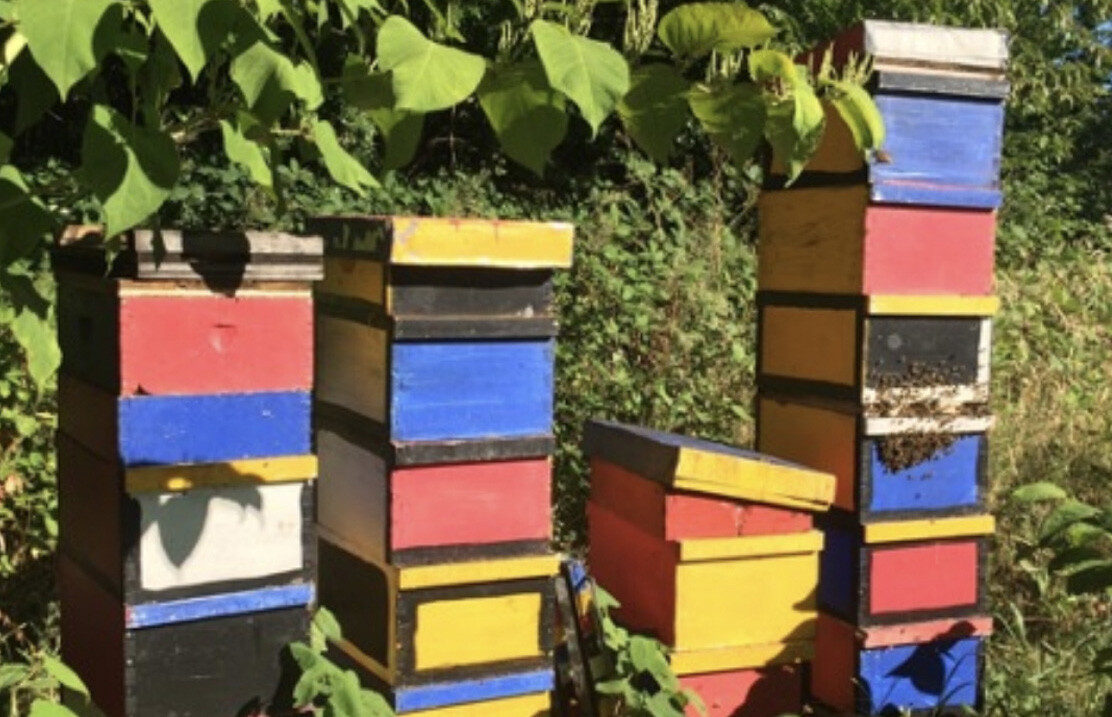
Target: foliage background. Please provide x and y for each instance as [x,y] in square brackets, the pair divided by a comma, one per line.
[657,318]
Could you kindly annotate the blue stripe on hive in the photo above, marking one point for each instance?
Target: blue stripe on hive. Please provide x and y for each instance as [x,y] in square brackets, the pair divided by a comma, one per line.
[942,151]
[947,480]
[943,673]
[160,430]
[446,390]
[426,697]
[211,606]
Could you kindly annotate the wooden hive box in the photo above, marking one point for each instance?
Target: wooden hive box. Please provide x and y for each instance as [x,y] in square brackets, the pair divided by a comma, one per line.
[154,534]
[922,668]
[439,329]
[941,93]
[479,506]
[719,603]
[833,240]
[897,354]
[422,627]
[886,468]
[693,465]
[885,573]
[181,659]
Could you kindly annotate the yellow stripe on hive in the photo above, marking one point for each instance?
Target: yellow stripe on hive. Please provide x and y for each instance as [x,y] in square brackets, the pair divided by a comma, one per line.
[182,477]
[695,662]
[482,571]
[903,531]
[475,242]
[729,603]
[750,546]
[933,305]
[475,631]
[763,481]
[534,705]
[354,278]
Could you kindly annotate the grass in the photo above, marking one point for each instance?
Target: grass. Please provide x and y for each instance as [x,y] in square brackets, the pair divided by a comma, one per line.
[1052,394]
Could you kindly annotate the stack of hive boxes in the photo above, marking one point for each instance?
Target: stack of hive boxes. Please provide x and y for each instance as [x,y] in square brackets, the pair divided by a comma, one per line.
[435,348]
[712,550]
[184,467]
[875,292]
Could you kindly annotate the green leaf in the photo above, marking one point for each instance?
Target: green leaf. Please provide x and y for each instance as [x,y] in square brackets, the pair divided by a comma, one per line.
[268,8]
[24,221]
[527,115]
[604,599]
[768,65]
[795,127]
[373,92]
[306,657]
[44,708]
[65,675]
[695,30]
[34,91]
[860,114]
[1092,579]
[12,674]
[1077,558]
[327,624]
[61,35]
[260,70]
[1038,492]
[247,153]
[195,28]
[343,168]
[733,115]
[654,111]
[426,75]
[35,333]
[312,683]
[1064,516]
[130,169]
[591,73]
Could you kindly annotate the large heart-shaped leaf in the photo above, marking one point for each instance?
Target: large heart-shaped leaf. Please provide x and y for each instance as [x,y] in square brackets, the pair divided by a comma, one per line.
[62,37]
[655,108]
[426,75]
[527,115]
[195,28]
[262,73]
[695,30]
[373,92]
[23,219]
[591,73]
[733,115]
[130,169]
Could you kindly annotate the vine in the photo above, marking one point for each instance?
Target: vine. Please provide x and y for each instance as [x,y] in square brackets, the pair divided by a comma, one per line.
[150,76]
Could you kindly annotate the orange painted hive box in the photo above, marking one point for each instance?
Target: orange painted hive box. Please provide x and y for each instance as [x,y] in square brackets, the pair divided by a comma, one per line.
[706,546]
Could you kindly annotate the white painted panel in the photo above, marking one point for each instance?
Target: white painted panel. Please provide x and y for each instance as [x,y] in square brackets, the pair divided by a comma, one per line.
[216,534]
[963,47]
[353,495]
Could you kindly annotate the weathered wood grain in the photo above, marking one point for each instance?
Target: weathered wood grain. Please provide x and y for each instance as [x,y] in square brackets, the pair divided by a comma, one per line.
[840,439]
[940,668]
[221,260]
[831,240]
[704,594]
[427,241]
[193,669]
[170,545]
[432,513]
[705,467]
[835,347]
[443,622]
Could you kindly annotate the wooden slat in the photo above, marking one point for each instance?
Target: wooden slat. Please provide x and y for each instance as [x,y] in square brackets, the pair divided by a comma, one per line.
[912,530]
[694,662]
[749,546]
[184,477]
